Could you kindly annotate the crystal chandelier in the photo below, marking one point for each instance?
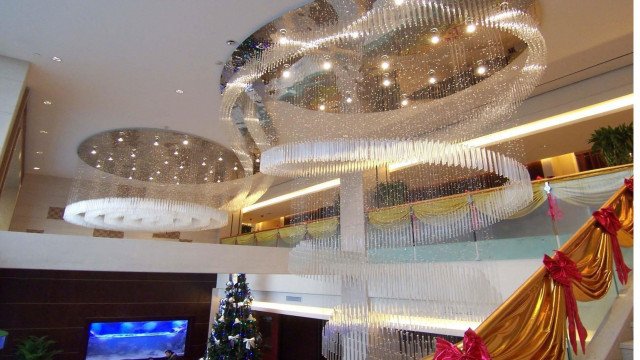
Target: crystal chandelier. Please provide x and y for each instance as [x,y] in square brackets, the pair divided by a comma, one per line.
[158,180]
[349,89]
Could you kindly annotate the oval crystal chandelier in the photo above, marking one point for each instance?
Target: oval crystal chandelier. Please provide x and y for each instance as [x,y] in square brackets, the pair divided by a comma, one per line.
[343,87]
[158,180]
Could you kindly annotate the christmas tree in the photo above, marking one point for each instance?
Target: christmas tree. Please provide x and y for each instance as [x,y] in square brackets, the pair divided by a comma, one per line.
[234,333]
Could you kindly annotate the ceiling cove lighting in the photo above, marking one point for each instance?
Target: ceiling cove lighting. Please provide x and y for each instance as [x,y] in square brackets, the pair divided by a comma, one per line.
[292,195]
[553,122]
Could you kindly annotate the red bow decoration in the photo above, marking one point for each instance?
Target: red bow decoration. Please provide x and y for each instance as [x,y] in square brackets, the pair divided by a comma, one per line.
[608,221]
[628,183]
[554,210]
[474,348]
[564,272]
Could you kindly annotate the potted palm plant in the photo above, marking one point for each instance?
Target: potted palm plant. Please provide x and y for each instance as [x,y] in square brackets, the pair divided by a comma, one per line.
[36,348]
[615,144]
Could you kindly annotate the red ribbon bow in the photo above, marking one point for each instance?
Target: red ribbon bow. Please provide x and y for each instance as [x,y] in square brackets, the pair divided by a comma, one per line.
[474,348]
[607,219]
[564,272]
[628,183]
[554,211]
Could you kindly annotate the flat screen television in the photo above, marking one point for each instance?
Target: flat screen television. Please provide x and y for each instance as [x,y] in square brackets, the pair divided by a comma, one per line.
[136,340]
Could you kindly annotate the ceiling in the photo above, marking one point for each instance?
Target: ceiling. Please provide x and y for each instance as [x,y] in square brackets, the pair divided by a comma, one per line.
[122,61]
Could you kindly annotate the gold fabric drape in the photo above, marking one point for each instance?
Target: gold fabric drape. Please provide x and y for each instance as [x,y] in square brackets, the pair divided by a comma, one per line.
[267,238]
[539,198]
[323,228]
[292,234]
[385,218]
[245,239]
[532,324]
[228,241]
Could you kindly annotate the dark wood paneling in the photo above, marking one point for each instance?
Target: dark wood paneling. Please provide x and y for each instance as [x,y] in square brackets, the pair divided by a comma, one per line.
[59,304]
[300,338]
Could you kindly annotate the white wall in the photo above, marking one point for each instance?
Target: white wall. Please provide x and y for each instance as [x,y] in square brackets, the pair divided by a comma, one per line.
[68,252]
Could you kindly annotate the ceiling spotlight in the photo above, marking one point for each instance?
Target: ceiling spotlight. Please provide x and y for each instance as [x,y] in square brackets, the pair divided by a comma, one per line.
[179,91]
[218,180]
[158,172]
[235,168]
[40,152]
[110,158]
[56,59]
[156,143]
[185,142]
[120,139]
[326,65]
[47,102]
[231,42]
[286,73]
[93,152]
[481,70]
[177,183]
[175,177]
[384,65]
[206,178]
[220,158]
[434,39]
[130,177]
[283,40]
[133,155]
[432,80]
[398,2]
[166,162]
[181,166]
[404,102]
[258,160]
[210,171]
[386,82]
[471,28]
[150,177]
[349,100]
[36,168]
[321,107]
[204,163]
[175,152]
[133,168]
[43,132]
[98,166]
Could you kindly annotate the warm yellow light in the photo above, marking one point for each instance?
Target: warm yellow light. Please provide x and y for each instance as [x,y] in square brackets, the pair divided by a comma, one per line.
[550,123]
[282,198]
[288,309]
[471,28]
[435,39]
[384,65]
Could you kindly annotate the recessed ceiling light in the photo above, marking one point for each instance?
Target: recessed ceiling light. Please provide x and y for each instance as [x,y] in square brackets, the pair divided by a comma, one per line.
[404,102]
[175,177]
[47,102]
[156,143]
[235,168]
[175,152]
[36,168]
[166,162]
[384,65]
[179,91]
[231,42]
[321,107]
[43,132]
[481,70]
[386,82]
[206,178]
[177,183]
[220,158]
[93,152]
[130,177]
[185,142]
[98,166]
[204,163]
[158,172]
[471,28]
[181,167]
[258,160]
[56,59]
[349,100]
[398,2]
[435,39]
[133,168]
[150,177]
[218,180]
[286,73]
[110,158]
[210,171]
[327,65]
[133,155]
[432,80]
[120,139]
[40,152]
[283,40]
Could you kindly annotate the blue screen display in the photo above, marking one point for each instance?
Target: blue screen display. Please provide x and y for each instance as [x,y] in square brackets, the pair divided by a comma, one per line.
[136,340]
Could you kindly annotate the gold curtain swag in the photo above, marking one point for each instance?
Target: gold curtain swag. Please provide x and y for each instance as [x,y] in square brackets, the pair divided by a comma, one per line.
[323,228]
[532,324]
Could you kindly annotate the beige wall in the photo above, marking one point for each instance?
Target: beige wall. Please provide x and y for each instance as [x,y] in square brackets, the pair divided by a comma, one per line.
[39,192]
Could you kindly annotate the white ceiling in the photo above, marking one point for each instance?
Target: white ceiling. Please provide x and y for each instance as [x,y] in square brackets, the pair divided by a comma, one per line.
[122,61]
